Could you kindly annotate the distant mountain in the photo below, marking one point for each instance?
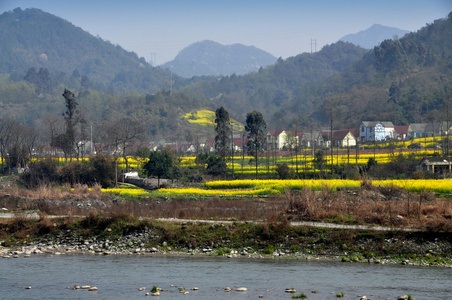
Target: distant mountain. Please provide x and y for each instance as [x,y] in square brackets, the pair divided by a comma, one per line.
[32,38]
[211,58]
[373,36]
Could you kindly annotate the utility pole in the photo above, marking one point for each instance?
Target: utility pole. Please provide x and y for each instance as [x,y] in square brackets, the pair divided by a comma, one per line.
[314,42]
[331,140]
[232,148]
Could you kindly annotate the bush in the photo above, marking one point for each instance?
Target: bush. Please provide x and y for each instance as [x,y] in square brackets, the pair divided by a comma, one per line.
[103,170]
[284,172]
[77,172]
[41,172]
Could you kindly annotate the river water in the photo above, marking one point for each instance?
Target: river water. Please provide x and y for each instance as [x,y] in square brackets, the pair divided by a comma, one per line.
[120,277]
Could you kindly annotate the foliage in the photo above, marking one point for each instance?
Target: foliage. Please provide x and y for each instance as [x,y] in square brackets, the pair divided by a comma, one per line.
[283,171]
[255,126]
[160,164]
[99,169]
[223,133]
[216,166]
[77,172]
[103,170]
[41,172]
[319,160]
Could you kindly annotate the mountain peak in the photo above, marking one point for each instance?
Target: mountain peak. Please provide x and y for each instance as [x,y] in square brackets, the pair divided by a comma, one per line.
[211,58]
[373,35]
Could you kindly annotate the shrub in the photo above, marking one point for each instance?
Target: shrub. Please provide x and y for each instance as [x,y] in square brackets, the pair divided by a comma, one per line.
[284,172]
[103,170]
[77,172]
[41,172]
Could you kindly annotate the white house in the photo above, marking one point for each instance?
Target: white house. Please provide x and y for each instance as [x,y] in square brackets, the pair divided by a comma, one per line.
[279,139]
[370,131]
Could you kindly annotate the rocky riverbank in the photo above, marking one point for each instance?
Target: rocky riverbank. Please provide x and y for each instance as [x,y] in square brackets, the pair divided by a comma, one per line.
[132,237]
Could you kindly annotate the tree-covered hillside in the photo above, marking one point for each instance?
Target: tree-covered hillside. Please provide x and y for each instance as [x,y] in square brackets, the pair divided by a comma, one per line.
[32,38]
[271,89]
[209,58]
[404,80]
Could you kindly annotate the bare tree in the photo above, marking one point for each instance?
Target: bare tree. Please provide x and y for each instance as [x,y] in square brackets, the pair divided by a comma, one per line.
[121,135]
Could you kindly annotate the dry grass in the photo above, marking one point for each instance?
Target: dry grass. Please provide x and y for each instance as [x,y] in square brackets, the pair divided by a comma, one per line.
[382,206]
[54,192]
[387,206]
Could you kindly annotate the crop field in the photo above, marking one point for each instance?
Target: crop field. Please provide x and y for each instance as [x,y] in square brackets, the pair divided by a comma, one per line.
[236,188]
[206,118]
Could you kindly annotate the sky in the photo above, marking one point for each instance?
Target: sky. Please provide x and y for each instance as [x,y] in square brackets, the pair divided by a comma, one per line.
[159,29]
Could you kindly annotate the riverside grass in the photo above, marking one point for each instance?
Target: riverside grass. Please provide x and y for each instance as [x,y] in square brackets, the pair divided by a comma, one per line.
[251,187]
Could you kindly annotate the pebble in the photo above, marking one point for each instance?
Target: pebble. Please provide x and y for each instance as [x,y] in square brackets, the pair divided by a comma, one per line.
[241,289]
[93,289]
[28,288]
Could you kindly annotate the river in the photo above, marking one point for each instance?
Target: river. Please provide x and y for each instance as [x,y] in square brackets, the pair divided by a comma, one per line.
[120,277]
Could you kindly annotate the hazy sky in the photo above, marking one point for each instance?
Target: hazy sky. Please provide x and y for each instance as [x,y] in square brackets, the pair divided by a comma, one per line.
[283,28]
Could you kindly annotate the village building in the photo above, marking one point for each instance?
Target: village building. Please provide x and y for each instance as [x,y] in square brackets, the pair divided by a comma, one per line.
[313,139]
[370,131]
[436,165]
[417,130]
[283,139]
[402,132]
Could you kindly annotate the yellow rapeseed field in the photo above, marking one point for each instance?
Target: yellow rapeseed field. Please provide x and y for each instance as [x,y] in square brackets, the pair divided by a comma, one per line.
[266,187]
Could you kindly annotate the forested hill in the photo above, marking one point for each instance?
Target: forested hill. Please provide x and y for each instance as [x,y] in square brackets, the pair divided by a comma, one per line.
[32,38]
[407,80]
[211,58]
[271,89]
[404,81]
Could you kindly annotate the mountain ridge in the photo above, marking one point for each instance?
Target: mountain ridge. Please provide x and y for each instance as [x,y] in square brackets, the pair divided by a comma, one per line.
[209,58]
[373,35]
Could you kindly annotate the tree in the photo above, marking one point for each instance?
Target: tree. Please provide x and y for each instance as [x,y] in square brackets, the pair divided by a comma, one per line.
[284,171]
[216,165]
[66,141]
[255,126]
[319,161]
[160,164]
[223,132]
[122,133]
